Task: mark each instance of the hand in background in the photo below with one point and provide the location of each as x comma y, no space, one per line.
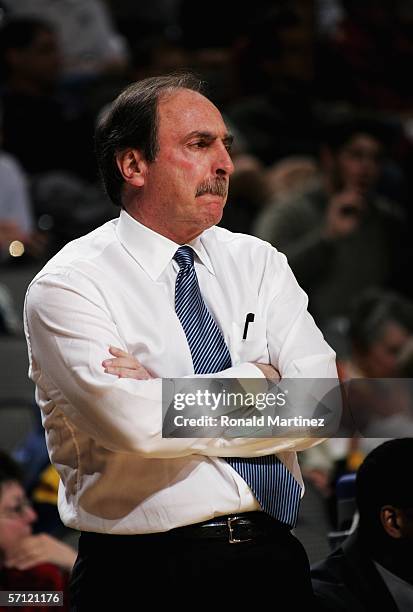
343,214
41,548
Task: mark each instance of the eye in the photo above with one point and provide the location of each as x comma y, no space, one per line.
200,144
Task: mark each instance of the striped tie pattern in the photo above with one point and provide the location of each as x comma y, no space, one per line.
207,345
275,488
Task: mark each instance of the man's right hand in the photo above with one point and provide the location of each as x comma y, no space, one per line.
269,371
343,214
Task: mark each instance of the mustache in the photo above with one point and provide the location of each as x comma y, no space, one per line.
217,186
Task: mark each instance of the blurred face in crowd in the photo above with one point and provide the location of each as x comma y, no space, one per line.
39,62
297,58
16,516
357,164
184,191
381,359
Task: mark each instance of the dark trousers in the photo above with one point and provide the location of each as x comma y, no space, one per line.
122,572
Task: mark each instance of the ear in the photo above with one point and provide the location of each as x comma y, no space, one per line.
132,166
390,519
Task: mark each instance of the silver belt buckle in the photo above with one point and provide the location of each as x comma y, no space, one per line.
231,538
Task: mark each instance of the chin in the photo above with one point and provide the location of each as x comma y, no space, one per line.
213,211
215,216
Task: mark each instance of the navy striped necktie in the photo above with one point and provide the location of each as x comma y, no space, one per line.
275,488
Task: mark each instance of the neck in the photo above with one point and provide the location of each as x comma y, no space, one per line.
398,562
182,234
395,555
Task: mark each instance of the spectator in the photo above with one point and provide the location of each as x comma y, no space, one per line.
86,36
275,111
287,179
16,215
15,205
366,59
380,327
341,237
381,324
372,570
27,562
36,127
17,230
292,176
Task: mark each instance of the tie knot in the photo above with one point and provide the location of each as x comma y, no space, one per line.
184,256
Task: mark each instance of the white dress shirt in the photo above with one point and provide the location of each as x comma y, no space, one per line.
115,286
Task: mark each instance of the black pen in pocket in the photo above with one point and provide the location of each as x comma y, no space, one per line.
248,319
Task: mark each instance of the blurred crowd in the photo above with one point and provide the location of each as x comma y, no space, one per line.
318,96
316,93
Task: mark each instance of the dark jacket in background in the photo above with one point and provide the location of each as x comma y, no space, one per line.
348,581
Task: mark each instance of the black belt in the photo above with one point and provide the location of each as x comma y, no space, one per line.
233,528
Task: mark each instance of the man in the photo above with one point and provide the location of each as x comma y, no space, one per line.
341,237
169,293
372,570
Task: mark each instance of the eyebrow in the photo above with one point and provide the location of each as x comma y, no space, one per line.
227,139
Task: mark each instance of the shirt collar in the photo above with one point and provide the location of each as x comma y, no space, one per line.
152,250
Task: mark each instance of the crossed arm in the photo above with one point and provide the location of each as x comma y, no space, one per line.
124,365
69,329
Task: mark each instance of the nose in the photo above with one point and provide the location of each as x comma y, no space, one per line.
30,515
223,163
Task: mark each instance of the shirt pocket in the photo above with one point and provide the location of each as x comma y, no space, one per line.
254,347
